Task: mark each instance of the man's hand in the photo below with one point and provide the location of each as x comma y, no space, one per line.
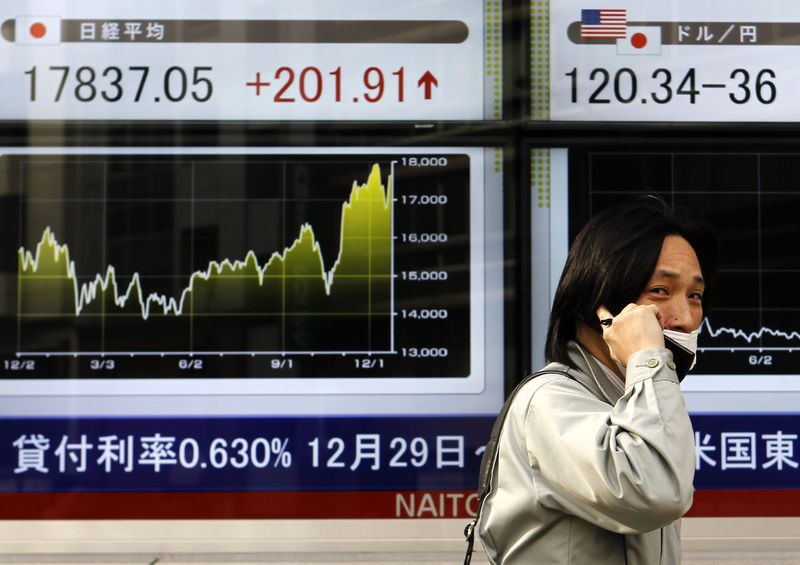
635,328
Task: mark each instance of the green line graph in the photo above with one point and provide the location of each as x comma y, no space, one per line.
357,283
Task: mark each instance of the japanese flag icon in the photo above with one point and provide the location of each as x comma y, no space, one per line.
640,40
37,30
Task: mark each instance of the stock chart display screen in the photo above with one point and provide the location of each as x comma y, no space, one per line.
232,280
274,321
743,394
751,333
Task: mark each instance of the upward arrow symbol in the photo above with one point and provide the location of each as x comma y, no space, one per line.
429,81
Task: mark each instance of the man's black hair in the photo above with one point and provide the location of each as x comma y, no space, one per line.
613,258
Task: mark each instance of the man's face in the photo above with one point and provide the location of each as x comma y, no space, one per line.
676,286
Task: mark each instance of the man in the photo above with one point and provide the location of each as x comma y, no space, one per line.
597,467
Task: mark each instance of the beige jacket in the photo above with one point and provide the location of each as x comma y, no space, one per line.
586,476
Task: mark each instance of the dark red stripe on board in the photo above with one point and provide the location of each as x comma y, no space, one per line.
746,503
328,505
236,505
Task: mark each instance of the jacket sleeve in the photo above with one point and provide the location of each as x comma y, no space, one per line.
628,469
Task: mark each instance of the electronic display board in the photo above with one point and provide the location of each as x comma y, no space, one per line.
283,60
283,323
682,61
744,393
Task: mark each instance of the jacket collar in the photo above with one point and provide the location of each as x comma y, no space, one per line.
590,374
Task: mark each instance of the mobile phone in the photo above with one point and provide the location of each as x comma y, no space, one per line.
682,357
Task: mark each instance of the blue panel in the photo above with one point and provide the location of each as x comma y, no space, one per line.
398,453
212,454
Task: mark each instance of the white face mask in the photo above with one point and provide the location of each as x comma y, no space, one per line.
689,341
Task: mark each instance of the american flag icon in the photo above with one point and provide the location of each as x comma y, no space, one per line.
603,24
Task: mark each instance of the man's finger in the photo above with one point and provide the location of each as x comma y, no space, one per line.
604,316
